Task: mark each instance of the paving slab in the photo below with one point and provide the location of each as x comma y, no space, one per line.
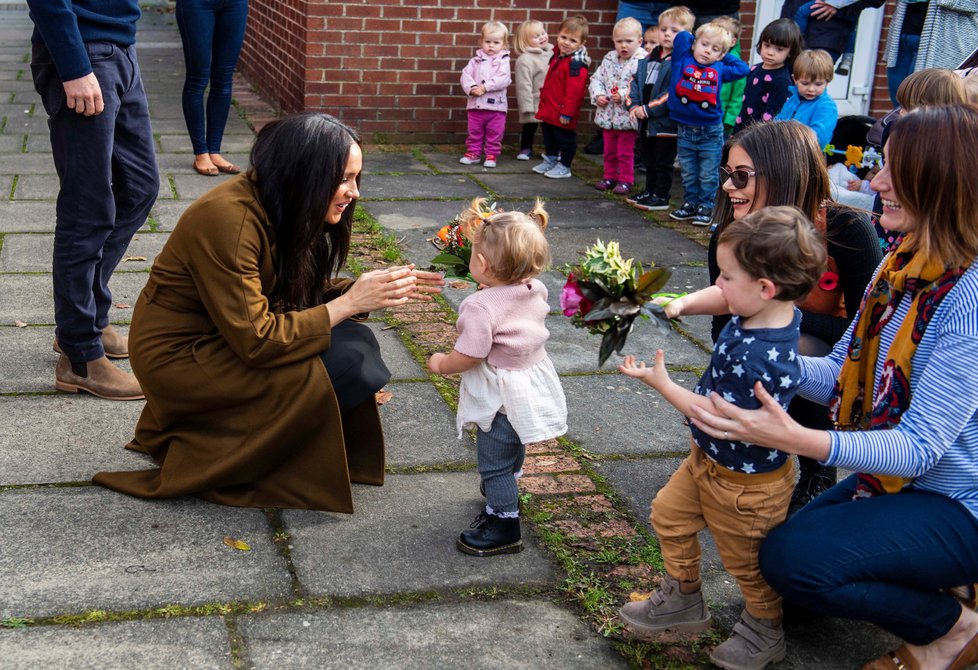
387,187
33,252
419,428
525,634
166,213
19,163
28,363
192,186
11,145
374,551
386,162
37,187
65,437
528,185
646,244
180,142
29,298
184,164
126,553
447,163
397,357
403,215
614,415
161,644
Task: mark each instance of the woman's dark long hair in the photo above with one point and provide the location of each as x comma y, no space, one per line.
298,164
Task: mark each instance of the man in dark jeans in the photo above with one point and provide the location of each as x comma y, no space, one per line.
85,70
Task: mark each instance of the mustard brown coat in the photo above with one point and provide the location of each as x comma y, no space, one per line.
239,406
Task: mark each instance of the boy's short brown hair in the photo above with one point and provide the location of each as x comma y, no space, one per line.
779,244
933,86
575,25
814,65
679,14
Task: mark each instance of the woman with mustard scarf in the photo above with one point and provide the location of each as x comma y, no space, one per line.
897,540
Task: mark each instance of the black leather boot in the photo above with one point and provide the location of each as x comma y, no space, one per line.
491,535
815,479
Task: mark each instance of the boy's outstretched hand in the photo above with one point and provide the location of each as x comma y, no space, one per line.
657,377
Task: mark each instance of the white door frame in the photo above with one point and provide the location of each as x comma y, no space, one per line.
851,93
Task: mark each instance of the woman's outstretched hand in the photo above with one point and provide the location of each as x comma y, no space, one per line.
767,426
427,283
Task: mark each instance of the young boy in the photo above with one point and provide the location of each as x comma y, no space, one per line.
810,103
700,66
732,92
768,259
561,96
650,39
647,103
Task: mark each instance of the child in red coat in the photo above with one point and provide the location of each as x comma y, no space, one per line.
563,92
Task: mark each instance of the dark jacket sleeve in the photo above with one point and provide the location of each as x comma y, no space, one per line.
58,27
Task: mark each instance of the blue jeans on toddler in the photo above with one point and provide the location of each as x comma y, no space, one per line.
883,559
699,149
212,32
501,455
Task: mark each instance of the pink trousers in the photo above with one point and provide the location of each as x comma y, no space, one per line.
619,155
487,127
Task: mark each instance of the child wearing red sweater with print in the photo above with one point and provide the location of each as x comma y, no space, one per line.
563,92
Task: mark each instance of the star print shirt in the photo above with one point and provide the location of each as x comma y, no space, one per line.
741,357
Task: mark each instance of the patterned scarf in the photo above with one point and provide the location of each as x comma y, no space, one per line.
852,408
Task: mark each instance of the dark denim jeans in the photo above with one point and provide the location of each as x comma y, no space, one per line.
212,32
907,50
107,168
501,455
559,141
699,149
647,13
881,559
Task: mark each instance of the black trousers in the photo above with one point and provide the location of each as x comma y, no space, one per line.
659,158
558,140
354,364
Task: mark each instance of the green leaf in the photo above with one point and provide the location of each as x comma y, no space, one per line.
448,259
651,282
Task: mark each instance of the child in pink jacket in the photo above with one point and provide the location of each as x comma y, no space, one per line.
484,80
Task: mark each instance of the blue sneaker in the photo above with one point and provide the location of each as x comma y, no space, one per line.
546,165
558,171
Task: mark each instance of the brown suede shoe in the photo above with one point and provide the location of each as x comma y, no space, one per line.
103,380
667,609
115,344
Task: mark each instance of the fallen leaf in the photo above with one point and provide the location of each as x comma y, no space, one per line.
383,397
460,284
638,596
123,305
20,324
134,258
240,545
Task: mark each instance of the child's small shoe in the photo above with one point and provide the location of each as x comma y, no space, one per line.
684,213
605,184
469,159
524,154
546,165
621,188
490,161
667,609
491,535
558,171
753,645
703,216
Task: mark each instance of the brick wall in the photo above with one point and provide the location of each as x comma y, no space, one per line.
390,68
879,103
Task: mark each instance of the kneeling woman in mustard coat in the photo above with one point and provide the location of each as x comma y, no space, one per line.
259,389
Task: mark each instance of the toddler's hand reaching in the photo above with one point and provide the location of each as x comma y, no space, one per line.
639,113
853,184
434,363
673,307
656,377
602,101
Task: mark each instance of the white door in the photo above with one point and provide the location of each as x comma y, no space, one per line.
851,93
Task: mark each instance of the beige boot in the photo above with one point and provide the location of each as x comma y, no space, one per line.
115,344
669,608
102,380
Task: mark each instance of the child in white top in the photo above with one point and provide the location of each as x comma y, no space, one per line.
484,81
609,87
510,390
533,53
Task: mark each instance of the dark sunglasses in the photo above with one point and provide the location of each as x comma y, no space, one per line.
739,177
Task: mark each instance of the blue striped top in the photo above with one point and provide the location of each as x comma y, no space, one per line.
936,442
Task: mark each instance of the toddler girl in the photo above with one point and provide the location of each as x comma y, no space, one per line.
533,55
609,88
484,80
768,81
510,390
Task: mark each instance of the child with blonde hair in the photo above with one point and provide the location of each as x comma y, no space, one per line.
810,102
533,51
510,391
609,88
484,80
740,491
731,93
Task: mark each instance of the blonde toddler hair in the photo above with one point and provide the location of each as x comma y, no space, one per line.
732,25
628,25
681,15
512,242
814,64
524,34
495,28
713,30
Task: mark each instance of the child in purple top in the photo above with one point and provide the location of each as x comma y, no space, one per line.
768,260
510,390
484,81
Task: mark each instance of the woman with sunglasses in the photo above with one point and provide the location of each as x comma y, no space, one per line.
893,546
780,163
